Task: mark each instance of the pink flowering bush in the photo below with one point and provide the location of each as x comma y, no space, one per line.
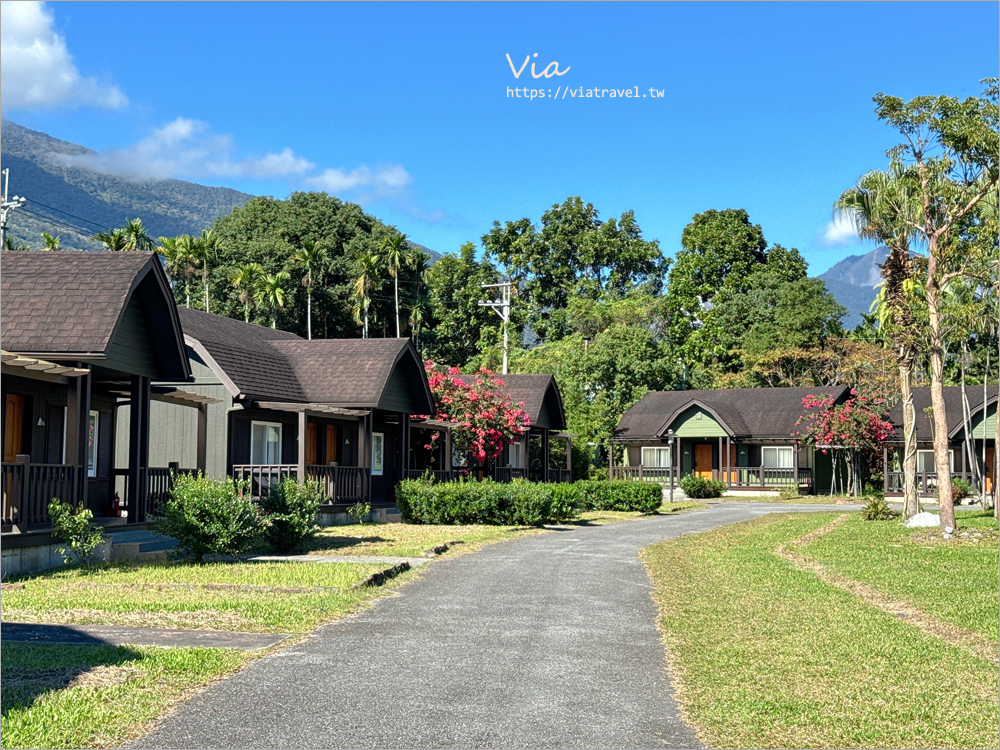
485,419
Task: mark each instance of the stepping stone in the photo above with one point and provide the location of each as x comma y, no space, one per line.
121,635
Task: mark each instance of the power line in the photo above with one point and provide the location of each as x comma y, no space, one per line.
99,225
59,222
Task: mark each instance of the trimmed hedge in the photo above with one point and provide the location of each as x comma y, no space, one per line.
291,510
699,488
520,502
623,495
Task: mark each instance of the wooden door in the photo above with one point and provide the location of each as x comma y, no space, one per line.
703,461
331,443
312,452
13,427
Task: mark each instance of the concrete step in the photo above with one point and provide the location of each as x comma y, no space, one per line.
141,545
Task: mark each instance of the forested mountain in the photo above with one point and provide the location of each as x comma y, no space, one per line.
852,282
74,203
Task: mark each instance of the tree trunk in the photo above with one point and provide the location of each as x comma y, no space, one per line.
396,282
911,498
942,465
986,375
205,276
309,312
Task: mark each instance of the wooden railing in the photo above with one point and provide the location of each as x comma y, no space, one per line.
926,481
643,473
28,488
508,473
159,481
436,475
263,476
342,484
736,476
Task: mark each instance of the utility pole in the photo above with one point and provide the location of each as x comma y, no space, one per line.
6,207
502,308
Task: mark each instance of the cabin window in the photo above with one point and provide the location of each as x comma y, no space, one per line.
925,461
378,453
777,457
265,443
657,457
514,455
92,436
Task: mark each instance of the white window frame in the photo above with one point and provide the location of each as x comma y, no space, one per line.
658,452
253,425
778,451
933,469
93,452
378,453
514,454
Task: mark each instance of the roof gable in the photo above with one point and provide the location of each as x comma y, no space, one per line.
540,395
953,407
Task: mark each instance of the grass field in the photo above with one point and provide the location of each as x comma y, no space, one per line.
767,655
408,540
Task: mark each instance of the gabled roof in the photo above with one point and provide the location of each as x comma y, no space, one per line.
69,305
742,412
953,407
535,391
266,365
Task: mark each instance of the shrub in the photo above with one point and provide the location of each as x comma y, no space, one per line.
567,499
75,526
877,509
700,488
960,489
622,495
487,502
360,512
208,516
291,510
789,492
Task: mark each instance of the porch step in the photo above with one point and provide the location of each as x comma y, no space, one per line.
142,546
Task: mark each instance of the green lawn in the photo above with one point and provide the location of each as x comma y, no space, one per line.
766,655
255,597
408,539
954,581
97,695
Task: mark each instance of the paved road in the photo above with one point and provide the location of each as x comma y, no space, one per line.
547,641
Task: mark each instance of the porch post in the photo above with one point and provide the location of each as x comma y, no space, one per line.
300,467
795,464
138,448
611,460
965,465
719,475
364,454
545,455
729,458
446,462
77,425
569,458
202,454
404,423
885,469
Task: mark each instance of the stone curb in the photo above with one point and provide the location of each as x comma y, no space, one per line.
440,549
377,579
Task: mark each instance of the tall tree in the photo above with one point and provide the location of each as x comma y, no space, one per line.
369,270
136,236
951,147
204,252
187,259
51,243
272,295
309,258
246,280
113,239
883,207
396,256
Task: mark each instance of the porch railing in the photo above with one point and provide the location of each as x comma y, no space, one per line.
926,481
736,476
508,473
642,473
264,476
159,482
342,484
28,488
436,475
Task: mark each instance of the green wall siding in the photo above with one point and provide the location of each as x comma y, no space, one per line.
696,423
130,349
397,396
985,428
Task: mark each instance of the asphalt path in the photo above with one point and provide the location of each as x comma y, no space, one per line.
545,641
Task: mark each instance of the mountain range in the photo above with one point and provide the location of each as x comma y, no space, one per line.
853,283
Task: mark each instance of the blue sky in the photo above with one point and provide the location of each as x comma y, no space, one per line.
404,107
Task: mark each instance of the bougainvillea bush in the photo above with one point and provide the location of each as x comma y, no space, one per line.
852,431
485,418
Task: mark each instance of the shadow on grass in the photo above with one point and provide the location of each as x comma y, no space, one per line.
322,542
41,659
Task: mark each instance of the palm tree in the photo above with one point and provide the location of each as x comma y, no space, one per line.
883,206
182,260
308,257
369,268
136,236
420,312
51,243
8,244
113,239
246,278
204,251
272,295
397,257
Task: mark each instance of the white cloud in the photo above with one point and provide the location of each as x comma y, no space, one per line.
840,231
186,148
381,181
36,68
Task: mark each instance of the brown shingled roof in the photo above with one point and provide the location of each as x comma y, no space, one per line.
532,390
953,407
744,412
66,302
276,366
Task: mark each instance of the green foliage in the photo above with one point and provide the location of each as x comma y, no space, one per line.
291,510
75,527
487,502
209,516
876,508
360,512
700,487
960,489
602,494
789,492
